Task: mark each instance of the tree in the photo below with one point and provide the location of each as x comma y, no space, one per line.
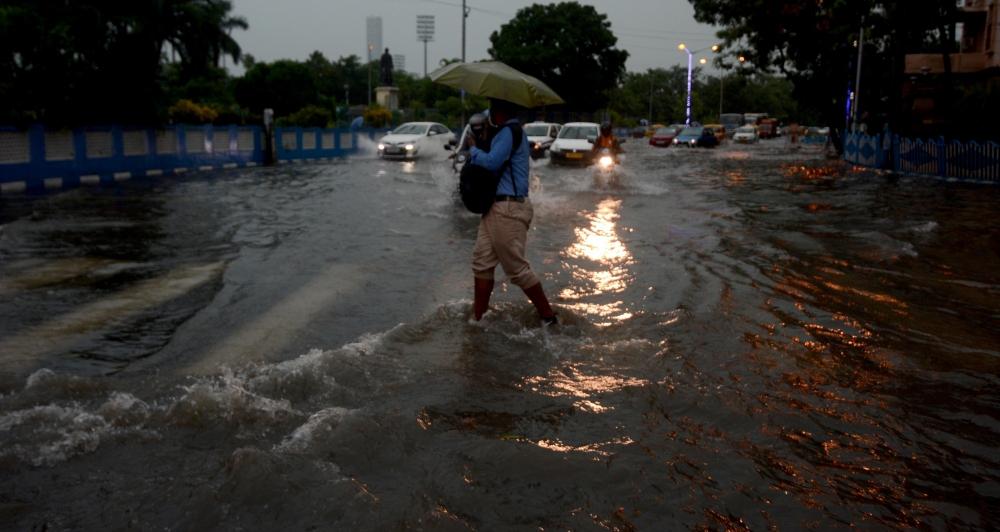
99,61
568,46
814,44
285,86
656,94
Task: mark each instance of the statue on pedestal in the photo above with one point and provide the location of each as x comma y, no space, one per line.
385,69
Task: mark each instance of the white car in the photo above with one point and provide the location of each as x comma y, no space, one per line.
415,139
540,137
575,143
745,135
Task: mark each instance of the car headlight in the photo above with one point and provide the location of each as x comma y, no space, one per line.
538,145
677,141
409,147
381,147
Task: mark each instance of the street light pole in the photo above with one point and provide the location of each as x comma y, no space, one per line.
687,119
683,47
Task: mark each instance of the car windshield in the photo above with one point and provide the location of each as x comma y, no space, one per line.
410,129
578,132
744,129
665,131
536,131
692,131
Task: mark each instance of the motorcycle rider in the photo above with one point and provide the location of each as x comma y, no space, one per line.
607,140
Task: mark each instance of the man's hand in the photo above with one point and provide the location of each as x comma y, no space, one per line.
470,141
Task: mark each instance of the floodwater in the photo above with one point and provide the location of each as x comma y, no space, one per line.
750,338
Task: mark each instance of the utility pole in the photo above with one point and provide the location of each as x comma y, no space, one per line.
722,91
857,80
370,46
465,15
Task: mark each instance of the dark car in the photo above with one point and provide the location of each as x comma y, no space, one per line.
699,136
663,137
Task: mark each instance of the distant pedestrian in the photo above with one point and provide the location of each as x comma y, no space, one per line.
503,230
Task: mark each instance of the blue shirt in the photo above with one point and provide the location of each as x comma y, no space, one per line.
499,151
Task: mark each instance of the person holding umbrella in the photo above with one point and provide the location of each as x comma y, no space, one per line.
503,229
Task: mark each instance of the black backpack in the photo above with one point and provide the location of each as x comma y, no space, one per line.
478,186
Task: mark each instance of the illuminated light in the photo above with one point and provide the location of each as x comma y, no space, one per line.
409,147
606,162
682,46
703,60
600,244
743,59
715,47
381,147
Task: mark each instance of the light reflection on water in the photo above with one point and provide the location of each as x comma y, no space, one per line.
599,243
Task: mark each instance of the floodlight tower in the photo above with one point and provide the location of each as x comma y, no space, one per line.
425,34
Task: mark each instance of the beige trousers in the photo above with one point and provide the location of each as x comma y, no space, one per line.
503,232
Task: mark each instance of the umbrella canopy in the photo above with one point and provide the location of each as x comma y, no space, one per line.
494,79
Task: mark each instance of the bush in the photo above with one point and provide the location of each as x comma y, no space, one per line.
377,116
188,112
308,116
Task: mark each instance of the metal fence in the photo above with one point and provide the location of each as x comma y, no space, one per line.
45,159
301,144
39,159
954,160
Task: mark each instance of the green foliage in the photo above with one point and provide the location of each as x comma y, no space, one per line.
665,89
377,116
188,112
308,116
285,86
813,44
568,46
99,61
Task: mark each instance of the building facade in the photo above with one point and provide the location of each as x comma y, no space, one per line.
979,48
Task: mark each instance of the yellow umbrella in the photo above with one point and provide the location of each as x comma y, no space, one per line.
494,79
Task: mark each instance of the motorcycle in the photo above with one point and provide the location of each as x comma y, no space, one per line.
606,167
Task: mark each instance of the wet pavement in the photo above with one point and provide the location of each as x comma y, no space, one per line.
751,337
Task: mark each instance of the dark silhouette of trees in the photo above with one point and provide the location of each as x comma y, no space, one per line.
103,60
568,46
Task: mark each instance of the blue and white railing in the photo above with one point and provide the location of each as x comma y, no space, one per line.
44,159
39,159
953,160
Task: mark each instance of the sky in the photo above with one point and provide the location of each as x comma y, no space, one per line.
292,29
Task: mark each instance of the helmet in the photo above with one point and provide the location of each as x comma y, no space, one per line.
477,122
606,128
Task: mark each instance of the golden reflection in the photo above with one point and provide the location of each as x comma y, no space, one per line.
570,381
593,448
599,243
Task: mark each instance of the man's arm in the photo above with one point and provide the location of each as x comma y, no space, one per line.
499,151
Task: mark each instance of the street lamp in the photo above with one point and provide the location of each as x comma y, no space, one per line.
683,47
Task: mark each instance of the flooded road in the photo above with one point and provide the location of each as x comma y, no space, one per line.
750,338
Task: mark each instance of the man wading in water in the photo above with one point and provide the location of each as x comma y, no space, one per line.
503,230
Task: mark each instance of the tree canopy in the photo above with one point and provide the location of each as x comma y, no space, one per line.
814,44
101,60
568,46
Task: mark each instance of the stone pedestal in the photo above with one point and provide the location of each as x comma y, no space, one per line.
387,97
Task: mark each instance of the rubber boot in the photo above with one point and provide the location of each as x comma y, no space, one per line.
537,296
481,302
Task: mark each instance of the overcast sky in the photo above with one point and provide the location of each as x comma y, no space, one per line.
291,29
